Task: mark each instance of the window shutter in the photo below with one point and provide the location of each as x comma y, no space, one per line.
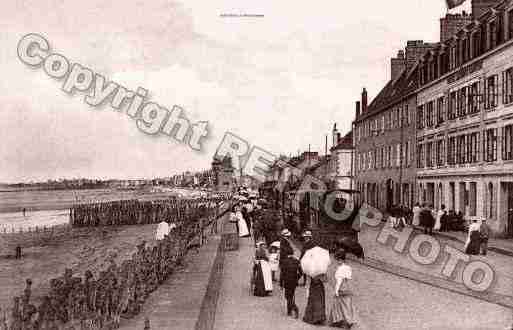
504,82
485,94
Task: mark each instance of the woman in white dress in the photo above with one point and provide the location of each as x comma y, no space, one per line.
416,214
243,227
342,314
438,221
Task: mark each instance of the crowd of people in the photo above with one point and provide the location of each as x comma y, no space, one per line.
134,212
98,301
275,261
442,220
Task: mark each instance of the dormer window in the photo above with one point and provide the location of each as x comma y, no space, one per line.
492,34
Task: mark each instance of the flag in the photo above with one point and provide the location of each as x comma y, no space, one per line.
454,3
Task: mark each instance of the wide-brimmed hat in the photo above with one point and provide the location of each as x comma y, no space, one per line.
285,232
307,233
276,244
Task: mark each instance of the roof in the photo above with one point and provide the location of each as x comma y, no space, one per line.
393,92
322,161
344,143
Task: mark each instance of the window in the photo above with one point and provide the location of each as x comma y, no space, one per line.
440,152
430,114
440,110
460,149
462,102
507,142
491,201
398,158
507,86
490,145
406,155
389,160
476,41
453,57
492,34
420,117
473,147
510,24
383,124
466,50
451,150
406,115
420,155
491,91
451,112
473,98
429,154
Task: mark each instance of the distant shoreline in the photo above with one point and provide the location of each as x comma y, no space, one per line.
62,199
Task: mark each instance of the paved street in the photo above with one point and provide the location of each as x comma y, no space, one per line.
383,301
501,264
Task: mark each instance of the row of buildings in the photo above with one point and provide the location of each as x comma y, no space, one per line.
441,130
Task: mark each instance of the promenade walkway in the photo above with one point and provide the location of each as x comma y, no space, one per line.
383,300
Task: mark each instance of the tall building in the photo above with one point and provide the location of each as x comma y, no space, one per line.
223,174
342,162
384,137
465,119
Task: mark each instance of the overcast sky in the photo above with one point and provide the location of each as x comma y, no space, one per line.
279,81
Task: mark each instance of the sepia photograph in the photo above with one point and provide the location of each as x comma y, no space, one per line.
256,165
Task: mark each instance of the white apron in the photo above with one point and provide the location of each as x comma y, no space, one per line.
243,228
266,272
438,221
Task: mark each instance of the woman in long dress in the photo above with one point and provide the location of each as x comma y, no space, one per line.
473,243
342,314
416,214
261,276
438,221
315,312
243,228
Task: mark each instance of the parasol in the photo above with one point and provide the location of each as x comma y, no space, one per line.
315,261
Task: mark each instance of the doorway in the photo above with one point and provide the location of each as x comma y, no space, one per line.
389,193
509,200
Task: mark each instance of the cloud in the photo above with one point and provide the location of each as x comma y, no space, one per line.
279,81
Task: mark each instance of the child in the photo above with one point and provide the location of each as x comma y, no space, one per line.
273,259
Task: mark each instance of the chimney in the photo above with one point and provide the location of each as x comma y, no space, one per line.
397,65
364,101
452,23
414,51
357,109
479,7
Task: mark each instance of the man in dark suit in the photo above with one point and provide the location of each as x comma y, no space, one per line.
285,247
290,274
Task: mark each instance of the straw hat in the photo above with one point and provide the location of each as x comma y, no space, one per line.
307,233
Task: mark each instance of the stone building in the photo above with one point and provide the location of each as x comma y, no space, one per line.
341,159
465,119
384,139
